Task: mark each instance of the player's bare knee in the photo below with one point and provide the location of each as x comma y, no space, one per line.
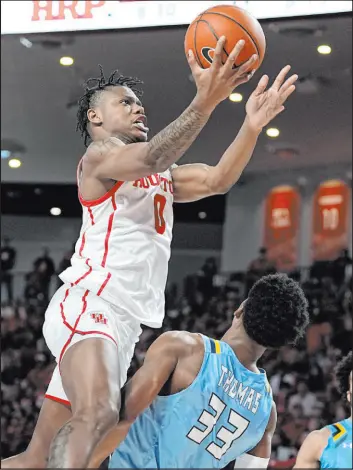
100,418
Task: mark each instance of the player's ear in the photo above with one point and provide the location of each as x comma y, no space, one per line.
94,116
238,313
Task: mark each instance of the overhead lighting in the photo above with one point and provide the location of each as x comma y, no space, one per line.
202,215
272,132
66,61
324,49
236,97
55,211
26,42
15,163
5,153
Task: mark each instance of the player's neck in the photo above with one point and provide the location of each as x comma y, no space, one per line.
247,351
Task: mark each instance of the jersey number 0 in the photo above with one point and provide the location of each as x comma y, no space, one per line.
159,205
238,422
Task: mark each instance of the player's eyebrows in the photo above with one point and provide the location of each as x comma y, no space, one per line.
131,99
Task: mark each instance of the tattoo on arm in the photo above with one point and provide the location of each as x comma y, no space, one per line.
173,141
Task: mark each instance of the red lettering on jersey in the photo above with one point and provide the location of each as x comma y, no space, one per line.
164,181
171,187
154,179
141,183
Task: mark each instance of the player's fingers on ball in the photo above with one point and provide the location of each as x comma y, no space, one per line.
217,59
234,54
280,77
248,65
192,61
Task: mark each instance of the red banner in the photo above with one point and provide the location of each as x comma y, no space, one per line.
330,220
282,226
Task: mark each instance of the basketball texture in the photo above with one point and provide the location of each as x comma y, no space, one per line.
232,22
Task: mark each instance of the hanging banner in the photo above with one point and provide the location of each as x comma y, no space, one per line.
63,15
330,220
281,229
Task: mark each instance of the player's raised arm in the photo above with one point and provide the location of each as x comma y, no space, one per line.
160,361
311,449
196,181
110,158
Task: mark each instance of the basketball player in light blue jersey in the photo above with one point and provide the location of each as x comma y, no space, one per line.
331,446
204,402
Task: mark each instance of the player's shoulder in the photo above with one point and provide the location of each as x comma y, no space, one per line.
312,448
317,440
98,149
182,341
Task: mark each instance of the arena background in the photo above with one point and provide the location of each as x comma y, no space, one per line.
294,198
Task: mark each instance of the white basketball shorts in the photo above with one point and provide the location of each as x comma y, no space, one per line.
75,314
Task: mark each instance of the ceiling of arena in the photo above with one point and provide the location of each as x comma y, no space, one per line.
38,95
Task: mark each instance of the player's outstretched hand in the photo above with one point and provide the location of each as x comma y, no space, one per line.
263,105
216,83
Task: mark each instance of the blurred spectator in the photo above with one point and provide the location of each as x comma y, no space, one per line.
8,259
45,268
303,398
339,267
64,264
259,267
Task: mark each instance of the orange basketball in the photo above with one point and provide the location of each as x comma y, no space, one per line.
232,22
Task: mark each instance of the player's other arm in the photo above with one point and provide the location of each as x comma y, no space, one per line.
259,456
310,452
160,361
111,159
196,181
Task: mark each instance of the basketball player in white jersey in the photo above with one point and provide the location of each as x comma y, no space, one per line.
117,279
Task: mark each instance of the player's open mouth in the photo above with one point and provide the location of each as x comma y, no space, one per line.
140,123
141,127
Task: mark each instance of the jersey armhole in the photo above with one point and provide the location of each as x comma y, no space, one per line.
94,202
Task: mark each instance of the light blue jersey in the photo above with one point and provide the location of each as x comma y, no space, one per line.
338,452
223,414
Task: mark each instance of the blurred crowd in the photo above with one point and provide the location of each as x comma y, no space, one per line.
301,377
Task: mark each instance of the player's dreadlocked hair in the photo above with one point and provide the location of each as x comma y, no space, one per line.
93,89
276,311
342,372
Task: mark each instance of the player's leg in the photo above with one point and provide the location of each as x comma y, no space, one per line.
90,377
52,417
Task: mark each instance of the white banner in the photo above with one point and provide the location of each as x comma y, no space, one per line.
51,16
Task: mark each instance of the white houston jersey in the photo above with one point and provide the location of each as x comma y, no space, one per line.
123,250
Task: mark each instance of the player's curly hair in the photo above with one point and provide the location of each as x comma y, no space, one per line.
276,311
342,372
93,90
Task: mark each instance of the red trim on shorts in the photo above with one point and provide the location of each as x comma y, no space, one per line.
57,399
73,330
82,243
84,275
102,287
109,230
96,332
106,196
75,325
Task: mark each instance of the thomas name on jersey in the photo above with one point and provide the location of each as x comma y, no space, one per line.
245,396
155,180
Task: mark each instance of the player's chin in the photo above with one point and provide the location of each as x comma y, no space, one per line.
139,135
